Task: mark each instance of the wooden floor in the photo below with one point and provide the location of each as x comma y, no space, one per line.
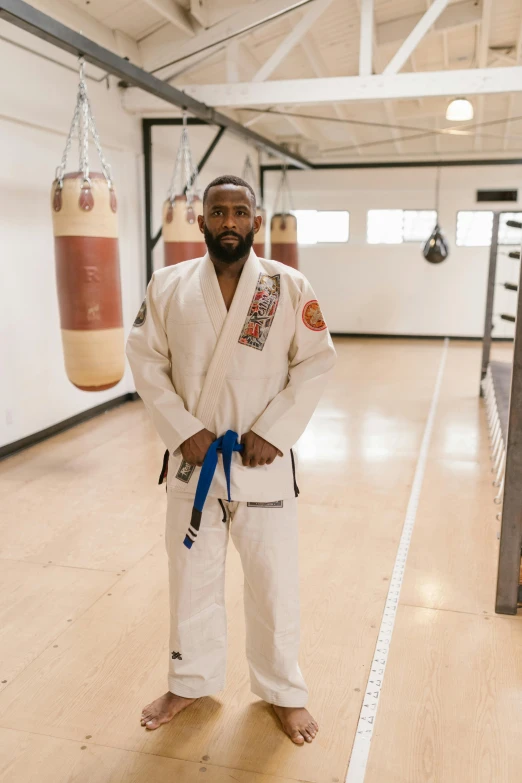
83,598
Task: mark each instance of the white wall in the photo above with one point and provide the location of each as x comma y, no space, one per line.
391,289
37,100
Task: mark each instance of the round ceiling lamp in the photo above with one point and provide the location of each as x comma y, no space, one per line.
459,110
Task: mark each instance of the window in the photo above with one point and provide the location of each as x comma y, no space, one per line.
475,228
314,226
395,226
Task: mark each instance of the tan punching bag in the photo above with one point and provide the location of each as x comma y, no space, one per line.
85,230
181,235
260,237
283,239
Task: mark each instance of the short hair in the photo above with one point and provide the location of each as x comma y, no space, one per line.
229,179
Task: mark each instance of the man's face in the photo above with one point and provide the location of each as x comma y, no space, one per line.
229,222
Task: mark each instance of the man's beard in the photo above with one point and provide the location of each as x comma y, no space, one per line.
229,254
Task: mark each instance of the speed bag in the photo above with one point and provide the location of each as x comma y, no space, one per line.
85,228
283,239
260,238
436,248
181,235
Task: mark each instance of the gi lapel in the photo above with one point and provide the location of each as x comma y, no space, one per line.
227,325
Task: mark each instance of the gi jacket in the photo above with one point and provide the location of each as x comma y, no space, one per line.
261,366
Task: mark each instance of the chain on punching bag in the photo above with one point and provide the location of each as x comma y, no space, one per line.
436,249
283,227
260,238
181,235
85,228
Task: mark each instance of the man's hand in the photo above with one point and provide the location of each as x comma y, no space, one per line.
194,449
257,451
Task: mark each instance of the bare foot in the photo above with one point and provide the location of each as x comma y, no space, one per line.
297,723
163,709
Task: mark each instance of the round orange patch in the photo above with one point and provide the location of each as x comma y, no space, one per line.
313,317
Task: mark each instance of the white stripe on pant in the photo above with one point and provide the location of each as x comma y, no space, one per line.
267,542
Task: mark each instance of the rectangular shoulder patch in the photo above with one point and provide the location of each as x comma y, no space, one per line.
261,312
185,472
272,504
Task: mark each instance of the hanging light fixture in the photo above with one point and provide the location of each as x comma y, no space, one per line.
459,110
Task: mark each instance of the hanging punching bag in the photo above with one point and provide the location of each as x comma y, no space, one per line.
85,228
283,239
436,248
181,235
260,237
88,280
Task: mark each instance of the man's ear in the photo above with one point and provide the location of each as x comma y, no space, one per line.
201,223
258,220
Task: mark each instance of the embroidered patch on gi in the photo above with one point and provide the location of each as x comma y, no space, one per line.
142,314
262,311
313,317
176,656
185,471
273,504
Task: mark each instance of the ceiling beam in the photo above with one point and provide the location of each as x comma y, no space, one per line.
456,15
319,68
28,18
171,11
366,39
416,36
159,50
292,39
475,81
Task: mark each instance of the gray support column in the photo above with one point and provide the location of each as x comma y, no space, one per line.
511,530
490,297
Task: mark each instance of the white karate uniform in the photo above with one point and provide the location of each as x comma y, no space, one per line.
261,366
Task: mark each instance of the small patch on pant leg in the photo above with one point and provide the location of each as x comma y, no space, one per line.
272,504
185,472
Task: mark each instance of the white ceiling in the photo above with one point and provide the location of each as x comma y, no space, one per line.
468,34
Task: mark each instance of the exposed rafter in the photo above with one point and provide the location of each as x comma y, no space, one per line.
159,52
476,81
292,39
416,36
171,11
319,68
456,15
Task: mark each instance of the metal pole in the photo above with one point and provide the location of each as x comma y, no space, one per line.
511,529
147,160
490,296
48,29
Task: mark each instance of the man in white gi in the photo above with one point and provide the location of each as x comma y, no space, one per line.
224,346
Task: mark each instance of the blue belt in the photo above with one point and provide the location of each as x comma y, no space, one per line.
227,444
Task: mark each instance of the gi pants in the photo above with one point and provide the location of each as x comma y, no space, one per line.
267,541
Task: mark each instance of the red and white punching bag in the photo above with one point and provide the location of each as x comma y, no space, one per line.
260,237
181,235
283,239
85,228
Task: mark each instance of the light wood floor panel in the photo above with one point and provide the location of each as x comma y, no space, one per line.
26,758
450,708
37,604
